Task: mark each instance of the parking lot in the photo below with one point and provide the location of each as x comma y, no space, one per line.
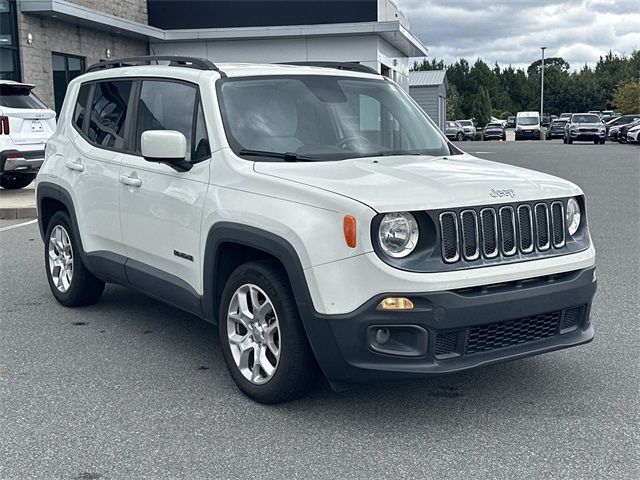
131,388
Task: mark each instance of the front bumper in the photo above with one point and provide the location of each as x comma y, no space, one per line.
449,331
21,162
534,134
587,136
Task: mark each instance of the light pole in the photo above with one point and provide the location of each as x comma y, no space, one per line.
542,94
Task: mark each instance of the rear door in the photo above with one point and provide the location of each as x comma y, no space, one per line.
161,208
30,121
92,163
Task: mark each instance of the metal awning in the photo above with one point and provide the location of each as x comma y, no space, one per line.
392,32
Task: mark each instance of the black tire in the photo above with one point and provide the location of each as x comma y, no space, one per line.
564,140
569,141
84,288
460,136
296,371
596,142
14,181
603,141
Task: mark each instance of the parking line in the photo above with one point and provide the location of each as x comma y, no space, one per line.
11,227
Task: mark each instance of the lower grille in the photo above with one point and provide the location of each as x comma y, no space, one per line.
447,344
571,319
515,332
484,338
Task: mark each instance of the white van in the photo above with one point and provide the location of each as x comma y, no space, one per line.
528,126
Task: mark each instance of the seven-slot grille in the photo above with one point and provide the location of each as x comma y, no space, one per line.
492,231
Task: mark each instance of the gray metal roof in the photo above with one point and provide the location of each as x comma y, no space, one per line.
428,78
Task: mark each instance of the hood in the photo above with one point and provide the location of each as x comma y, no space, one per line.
409,182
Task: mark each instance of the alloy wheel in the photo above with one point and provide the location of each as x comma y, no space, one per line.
253,333
60,258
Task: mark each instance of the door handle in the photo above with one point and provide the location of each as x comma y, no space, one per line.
130,181
75,166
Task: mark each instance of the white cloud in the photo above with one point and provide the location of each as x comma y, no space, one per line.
512,31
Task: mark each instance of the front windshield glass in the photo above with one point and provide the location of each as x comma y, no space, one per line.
527,120
585,119
324,118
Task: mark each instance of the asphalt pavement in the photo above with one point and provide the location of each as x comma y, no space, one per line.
130,388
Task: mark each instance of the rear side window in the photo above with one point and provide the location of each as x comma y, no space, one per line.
109,112
19,96
81,106
166,106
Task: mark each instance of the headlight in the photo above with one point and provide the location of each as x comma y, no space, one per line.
573,216
398,234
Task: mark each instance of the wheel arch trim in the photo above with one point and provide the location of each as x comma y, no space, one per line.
229,232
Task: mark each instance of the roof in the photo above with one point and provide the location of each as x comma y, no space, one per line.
427,78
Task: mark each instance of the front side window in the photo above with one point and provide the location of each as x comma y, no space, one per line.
324,118
109,112
166,106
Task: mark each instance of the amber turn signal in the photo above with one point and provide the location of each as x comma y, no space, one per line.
395,303
349,228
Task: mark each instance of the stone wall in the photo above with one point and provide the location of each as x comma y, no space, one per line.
50,35
135,10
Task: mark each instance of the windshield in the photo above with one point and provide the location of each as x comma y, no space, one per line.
323,118
18,96
493,125
527,120
585,119
466,123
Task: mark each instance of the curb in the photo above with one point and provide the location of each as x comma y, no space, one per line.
18,213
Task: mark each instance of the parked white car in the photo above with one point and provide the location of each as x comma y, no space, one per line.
317,215
633,134
25,126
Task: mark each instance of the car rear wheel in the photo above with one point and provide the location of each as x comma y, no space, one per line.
261,335
69,280
14,181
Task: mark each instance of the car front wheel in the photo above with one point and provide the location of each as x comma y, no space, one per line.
14,181
460,136
261,335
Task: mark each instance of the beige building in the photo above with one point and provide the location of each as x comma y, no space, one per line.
50,42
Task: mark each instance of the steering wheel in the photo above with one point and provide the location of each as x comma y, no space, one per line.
352,139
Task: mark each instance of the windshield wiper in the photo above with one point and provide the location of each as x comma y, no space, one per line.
389,153
286,156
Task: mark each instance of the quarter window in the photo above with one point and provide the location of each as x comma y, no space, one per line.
81,106
109,112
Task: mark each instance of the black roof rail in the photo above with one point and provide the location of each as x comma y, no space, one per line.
174,61
350,66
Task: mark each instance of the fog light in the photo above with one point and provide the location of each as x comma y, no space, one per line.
382,336
395,303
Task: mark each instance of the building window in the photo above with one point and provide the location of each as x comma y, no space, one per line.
9,64
65,69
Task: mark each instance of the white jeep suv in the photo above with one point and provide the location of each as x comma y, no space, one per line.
25,126
317,215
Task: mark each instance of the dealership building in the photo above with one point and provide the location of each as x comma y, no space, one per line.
50,42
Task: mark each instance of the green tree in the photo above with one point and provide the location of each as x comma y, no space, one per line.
481,107
627,96
453,103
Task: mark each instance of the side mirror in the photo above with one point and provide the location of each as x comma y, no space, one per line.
165,146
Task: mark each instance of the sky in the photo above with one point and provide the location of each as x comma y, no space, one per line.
512,31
